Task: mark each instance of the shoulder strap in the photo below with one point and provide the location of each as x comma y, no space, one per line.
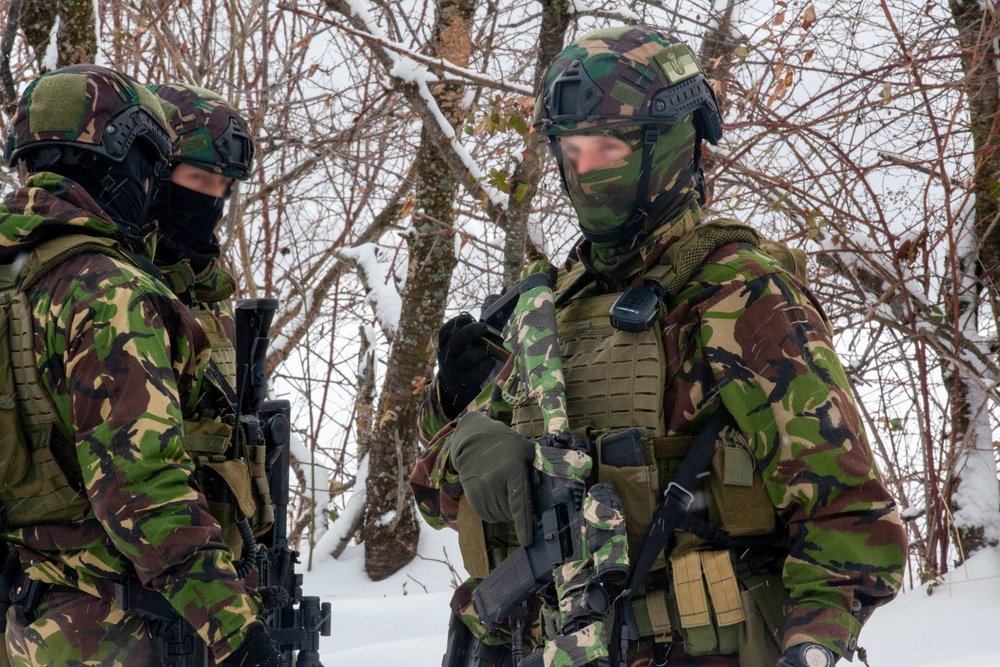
51,254
684,257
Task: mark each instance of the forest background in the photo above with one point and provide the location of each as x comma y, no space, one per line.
398,183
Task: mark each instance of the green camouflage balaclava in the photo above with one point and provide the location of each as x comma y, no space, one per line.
647,89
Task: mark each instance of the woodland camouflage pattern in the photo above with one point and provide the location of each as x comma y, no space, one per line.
75,104
123,360
629,66
744,334
197,117
535,348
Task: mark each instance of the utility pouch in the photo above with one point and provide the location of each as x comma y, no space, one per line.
226,483
738,501
483,545
638,485
764,598
709,605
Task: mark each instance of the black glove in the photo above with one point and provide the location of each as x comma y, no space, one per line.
255,651
808,655
464,363
493,463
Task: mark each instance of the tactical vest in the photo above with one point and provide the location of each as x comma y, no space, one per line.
615,381
41,481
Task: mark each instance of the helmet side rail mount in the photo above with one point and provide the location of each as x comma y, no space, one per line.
574,96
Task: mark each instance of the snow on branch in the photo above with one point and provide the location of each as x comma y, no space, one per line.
377,277
413,80
469,75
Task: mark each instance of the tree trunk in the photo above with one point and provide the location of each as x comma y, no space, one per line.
76,39
555,20
391,529
974,275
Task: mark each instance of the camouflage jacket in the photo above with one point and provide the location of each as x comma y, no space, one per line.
122,359
744,334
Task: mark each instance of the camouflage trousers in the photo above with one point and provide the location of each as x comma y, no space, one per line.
77,630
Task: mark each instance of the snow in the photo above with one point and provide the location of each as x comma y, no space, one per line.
409,70
390,622
382,296
338,530
50,60
956,625
397,621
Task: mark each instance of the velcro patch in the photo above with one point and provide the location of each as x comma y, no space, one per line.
677,63
58,103
626,94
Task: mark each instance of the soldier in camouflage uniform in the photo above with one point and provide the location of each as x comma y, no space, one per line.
99,489
735,332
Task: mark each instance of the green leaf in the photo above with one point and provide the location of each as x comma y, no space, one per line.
993,189
895,424
521,192
518,123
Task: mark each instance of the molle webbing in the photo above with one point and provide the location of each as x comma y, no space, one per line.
684,257
614,379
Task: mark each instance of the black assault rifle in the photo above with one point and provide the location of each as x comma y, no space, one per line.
295,622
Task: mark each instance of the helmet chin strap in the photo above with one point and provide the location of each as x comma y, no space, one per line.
699,175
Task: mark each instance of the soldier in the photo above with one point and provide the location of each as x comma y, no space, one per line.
100,496
715,326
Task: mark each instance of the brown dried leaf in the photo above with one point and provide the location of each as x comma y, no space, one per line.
809,17
778,19
808,56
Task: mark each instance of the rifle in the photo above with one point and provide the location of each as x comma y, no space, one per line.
558,500
175,642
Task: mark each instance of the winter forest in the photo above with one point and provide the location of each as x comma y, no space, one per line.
399,182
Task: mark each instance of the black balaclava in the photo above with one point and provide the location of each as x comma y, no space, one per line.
186,220
119,188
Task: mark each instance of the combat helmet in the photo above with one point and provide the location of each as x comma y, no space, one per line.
87,108
638,81
207,131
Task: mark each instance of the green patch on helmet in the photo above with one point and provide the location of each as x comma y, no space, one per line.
626,94
191,145
151,103
677,63
606,33
58,103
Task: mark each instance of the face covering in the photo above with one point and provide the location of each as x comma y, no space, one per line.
187,220
119,188
605,199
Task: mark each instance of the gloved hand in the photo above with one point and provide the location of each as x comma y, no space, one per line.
808,655
255,651
464,363
493,463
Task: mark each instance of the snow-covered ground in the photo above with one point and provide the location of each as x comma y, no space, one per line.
403,620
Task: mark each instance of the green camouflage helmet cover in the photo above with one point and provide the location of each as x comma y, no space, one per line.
630,75
208,132
89,107
646,89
